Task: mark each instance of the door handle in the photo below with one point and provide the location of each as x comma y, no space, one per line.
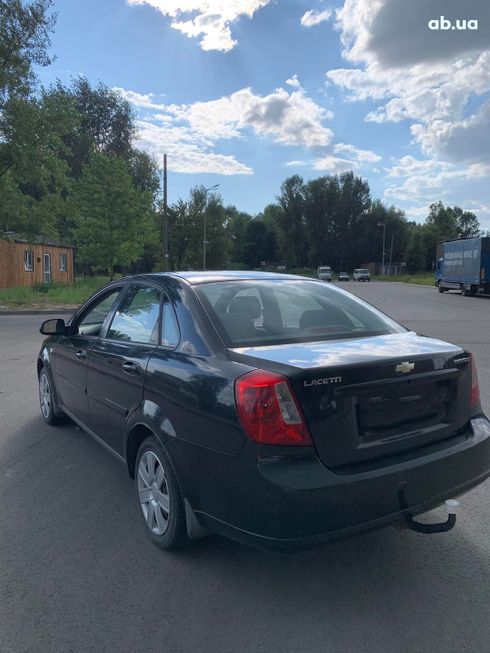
130,368
81,355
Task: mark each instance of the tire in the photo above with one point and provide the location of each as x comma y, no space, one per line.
465,291
159,498
440,288
49,410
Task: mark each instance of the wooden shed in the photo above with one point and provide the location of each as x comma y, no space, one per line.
24,264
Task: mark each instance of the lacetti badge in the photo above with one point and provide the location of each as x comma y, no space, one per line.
325,381
405,367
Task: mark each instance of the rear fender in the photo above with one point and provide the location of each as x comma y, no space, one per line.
148,415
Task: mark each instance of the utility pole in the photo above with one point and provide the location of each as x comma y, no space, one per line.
391,253
204,242
165,216
383,224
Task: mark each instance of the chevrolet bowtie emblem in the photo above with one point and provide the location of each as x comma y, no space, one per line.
405,367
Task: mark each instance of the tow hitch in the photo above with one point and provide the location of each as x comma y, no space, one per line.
409,522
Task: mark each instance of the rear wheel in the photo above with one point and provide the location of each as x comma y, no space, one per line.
159,497
466,290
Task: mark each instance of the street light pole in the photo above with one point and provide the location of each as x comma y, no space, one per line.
206,191
383,224
165,216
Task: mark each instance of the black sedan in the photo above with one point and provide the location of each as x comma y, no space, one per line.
277,410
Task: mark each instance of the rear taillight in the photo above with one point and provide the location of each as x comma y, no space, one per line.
268,409
475,386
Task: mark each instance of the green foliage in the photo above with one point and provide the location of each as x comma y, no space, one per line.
25,30
186,231
41,287
113,218
70,295
291,225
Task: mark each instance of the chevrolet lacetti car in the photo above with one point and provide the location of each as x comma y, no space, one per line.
277,410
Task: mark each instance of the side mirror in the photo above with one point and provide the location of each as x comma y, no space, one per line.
56,327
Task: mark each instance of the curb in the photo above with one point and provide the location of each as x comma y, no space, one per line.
41,311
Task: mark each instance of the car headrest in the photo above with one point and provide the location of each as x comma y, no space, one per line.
247,304
322,318
238,325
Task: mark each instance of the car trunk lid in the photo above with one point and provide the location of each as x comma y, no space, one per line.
371,397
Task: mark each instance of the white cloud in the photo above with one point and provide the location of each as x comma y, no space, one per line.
296,164
430,180
352,158
409,165
190,133
356,154
144,100
460,140
313,17
211,19
428,85
186,153
333,164
291,118
294,81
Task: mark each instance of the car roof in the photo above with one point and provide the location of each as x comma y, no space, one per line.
198,276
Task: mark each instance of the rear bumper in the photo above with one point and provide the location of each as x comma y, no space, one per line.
299,503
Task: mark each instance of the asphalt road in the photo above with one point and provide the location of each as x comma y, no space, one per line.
77,572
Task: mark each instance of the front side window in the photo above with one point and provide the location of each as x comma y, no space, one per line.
28,260
282,312
92,321
136,319
63,263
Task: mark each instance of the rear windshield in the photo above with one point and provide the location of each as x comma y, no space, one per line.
363,271
254,313
323,269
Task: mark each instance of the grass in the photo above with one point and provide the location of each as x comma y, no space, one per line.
420,278
45,296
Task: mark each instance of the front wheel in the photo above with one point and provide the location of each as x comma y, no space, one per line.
159,497
46,400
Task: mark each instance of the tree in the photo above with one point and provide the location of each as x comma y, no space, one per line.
106,124
467,222
416,254
236,222
24,42
182,236
33,164
291,225
258,244
446,223
320,207
114,218
397,232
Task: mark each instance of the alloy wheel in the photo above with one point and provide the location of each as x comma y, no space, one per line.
45,395
153,492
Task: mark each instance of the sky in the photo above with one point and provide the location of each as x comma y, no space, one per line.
244,93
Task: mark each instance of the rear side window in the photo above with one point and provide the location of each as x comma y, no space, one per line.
170,330
136,319
281,312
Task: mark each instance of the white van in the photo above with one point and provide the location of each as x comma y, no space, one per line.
324,273
361,274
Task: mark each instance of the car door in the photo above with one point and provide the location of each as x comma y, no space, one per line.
71,352
117,362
